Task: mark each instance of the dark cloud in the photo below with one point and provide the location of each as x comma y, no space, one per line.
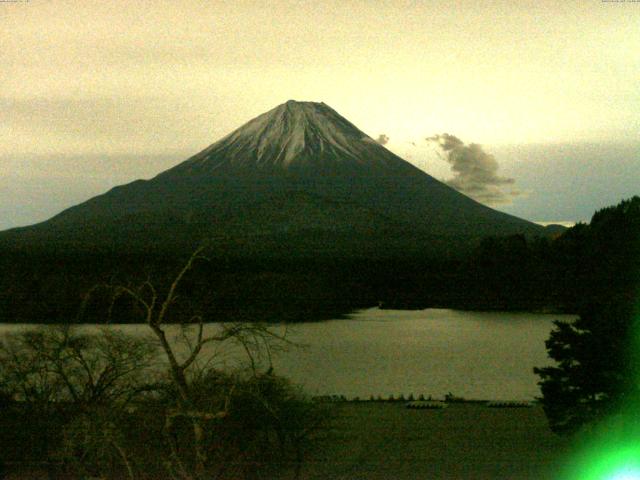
382,139
475,171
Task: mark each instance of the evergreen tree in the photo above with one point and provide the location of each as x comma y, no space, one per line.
596,373
597,355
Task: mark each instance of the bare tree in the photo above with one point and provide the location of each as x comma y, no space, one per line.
138,406
59,363
82,383
155,307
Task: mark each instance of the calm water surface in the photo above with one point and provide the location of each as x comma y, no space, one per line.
391,352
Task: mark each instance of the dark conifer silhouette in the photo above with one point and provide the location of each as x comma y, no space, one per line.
597,354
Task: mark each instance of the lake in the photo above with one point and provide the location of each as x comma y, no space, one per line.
476,355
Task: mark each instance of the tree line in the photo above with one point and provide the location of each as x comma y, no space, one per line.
45,285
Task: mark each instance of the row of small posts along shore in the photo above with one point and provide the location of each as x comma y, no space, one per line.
422,402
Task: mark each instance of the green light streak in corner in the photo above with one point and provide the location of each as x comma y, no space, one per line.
617,463
611,451
620,462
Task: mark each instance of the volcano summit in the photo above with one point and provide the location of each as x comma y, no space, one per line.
298,178
296,137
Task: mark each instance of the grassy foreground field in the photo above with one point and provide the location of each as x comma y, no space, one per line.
386,441
376,440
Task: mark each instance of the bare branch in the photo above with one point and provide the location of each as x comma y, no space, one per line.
124,457
87,296
121,290
198,347
175,463
154,294
171,295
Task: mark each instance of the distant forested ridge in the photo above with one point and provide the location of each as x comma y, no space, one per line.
588,261
278,284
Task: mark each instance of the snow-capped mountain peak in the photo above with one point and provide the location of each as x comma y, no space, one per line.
295,136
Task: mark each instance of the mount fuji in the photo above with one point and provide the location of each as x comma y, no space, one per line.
298,178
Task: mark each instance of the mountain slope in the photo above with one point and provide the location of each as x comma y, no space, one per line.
299,169
295,137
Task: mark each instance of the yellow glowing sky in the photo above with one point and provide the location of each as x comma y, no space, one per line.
150,77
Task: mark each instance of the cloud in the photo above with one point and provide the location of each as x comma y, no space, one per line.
475,171
382,139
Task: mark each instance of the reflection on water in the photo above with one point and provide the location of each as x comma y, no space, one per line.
431,352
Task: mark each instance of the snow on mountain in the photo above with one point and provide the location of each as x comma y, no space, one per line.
295,136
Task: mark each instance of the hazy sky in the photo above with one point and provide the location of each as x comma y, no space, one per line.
95,94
